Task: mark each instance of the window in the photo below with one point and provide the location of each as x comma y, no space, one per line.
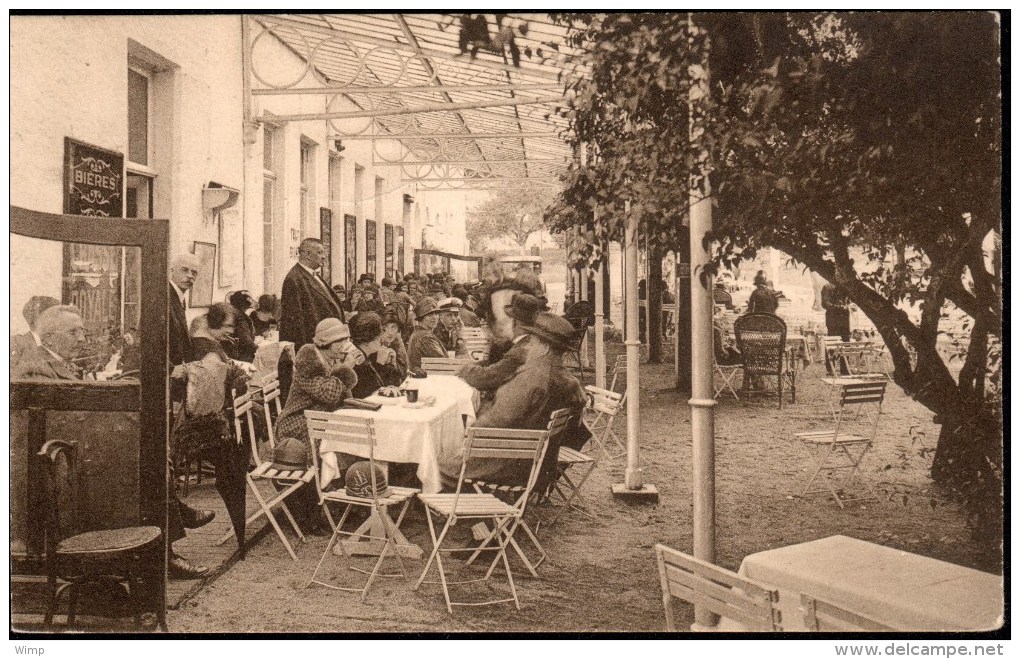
269,138
138,116
307,183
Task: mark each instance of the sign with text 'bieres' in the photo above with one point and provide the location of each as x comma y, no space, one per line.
93,180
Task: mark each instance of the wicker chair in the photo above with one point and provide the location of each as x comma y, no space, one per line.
761,339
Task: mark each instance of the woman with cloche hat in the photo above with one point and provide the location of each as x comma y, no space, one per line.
323,377
423,341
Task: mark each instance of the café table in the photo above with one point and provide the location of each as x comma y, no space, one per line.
800,349
412,433
899,589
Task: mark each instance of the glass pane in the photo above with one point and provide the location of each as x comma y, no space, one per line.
138,118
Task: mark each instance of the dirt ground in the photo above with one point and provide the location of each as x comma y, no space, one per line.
601,574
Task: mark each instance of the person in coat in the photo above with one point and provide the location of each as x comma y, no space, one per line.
837,321
23,343
265,316
523,309
392,337
448,328
525,402
307,299
763,298
62,337
379,368
423,341
241,345
183,273
323,377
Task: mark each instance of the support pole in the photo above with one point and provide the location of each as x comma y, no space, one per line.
633,486
702,401
600,322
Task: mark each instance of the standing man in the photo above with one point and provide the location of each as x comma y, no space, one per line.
183,273
306,298
837,320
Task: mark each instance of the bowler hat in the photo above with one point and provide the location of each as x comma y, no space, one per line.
358,481
329,331
426,306
524,308
554,330
290,455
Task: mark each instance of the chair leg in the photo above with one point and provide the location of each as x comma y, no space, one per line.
272,519
54,600
72,603
329,546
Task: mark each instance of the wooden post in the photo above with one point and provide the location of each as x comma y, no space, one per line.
633,486
702,401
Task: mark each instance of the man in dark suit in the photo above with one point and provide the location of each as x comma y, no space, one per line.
21,344
61,336
307,299
182,275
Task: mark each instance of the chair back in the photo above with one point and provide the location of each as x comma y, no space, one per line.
268,394
855,397
244,423
761,340
821,616
559,422
506,444
443,365
619,370
603,400
61,492
581,314
716,589
467,333
353,434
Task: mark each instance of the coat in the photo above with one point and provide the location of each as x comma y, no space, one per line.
372,376
39,364
312,388
492,376
423,343
243,346
525,402
178,337
21,345
303,303
837,312
762,300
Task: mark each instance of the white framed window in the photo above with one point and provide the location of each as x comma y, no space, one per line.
269,200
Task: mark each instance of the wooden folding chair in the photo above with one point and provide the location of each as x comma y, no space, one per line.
359,435
601,410
839,450
727,594
268,395
292,480
728,373
821,616
499,443
443,365
568,458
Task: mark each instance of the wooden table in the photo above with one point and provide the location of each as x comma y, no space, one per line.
420,435
897,588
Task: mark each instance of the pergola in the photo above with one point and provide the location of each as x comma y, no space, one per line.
452,121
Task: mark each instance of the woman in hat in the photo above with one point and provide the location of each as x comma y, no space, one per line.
538,388
763,298
265,317
423,341
393,338
379,367
370,300
243,346
323,377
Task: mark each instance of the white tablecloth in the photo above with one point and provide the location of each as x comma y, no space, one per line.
415,435
902,590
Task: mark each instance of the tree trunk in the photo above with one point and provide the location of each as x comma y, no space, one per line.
654,288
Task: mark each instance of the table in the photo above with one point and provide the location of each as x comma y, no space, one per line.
896,588
799,348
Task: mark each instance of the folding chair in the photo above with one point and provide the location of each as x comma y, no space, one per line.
443,365
558,422
271,400
728,375
358,434
839,450
500,443
603,406
264,471
821,616
725,593
568,458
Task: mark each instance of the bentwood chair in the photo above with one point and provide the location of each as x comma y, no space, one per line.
461,505
358,434
727,594
124,556
839,449
822,616
761,340
443,365
290,480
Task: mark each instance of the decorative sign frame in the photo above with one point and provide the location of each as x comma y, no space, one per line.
202,289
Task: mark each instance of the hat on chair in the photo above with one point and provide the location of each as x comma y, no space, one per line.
290,455
359,481
554,330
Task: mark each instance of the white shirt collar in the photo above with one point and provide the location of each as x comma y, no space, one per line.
35,336
180,294
518,339
314,273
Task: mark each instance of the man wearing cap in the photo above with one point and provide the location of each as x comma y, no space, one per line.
448,328
306,298
423,341
523,309
539,387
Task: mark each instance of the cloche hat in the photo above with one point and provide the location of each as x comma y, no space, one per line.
330,330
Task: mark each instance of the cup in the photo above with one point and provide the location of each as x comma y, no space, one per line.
452,354
412,395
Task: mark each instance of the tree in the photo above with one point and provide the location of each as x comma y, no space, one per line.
515,213
828,136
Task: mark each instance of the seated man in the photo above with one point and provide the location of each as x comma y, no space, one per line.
538,388
22,343
61,338
523,309
448,329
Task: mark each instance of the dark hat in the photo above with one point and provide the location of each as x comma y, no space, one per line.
425,307
524,308
290,455
759,279
365,327
386,281
359,481
269,303
554,330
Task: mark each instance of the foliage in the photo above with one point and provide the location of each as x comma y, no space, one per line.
515,213
826,136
